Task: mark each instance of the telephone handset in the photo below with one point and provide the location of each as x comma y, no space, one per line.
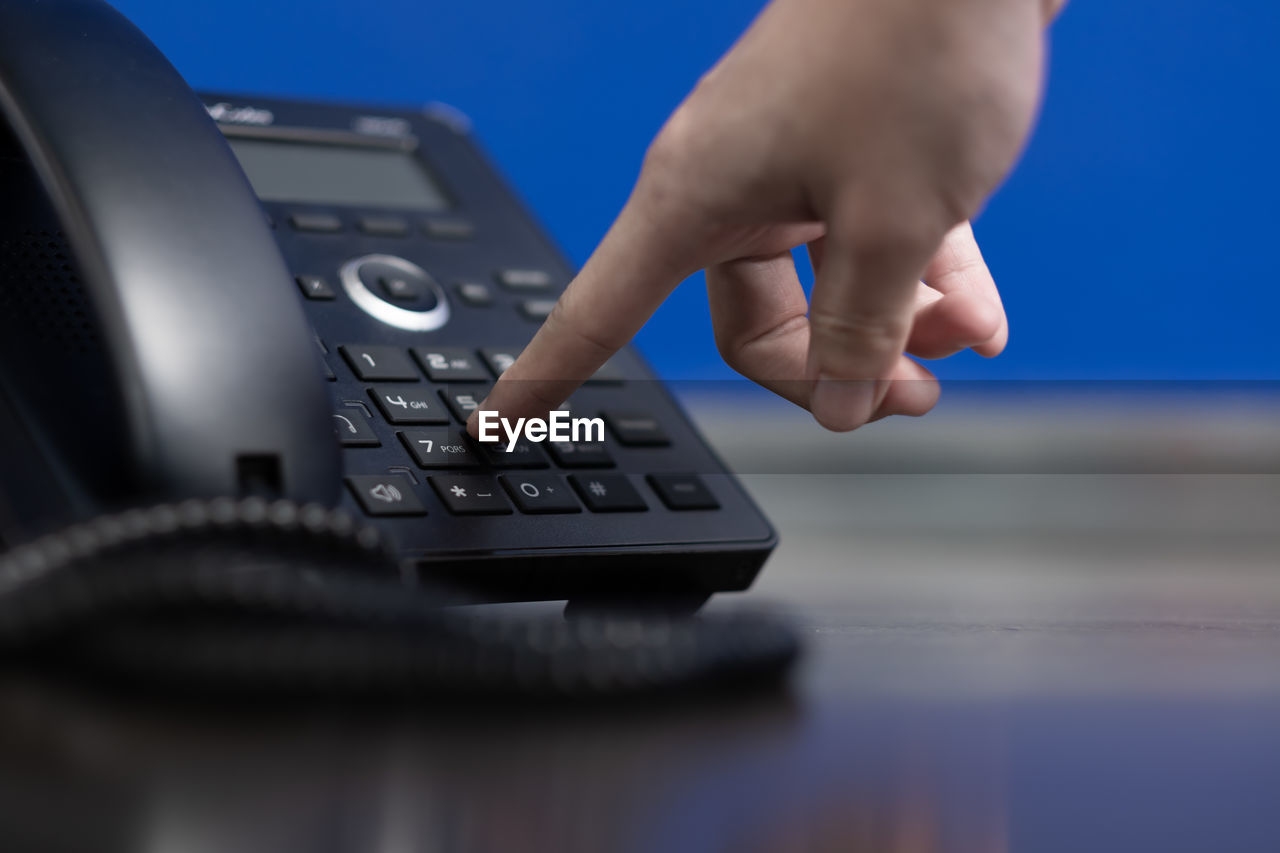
214,298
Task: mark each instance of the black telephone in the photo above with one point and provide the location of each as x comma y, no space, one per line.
316,332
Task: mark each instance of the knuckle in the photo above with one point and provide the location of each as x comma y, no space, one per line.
909,231
671,148
856,339
566,320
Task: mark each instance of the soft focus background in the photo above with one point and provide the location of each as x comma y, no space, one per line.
1134,239
1046,617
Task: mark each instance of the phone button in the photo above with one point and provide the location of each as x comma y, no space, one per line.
475,294
399,288
474,494
353,429
385,494
524,455
636,429
448,229
683,491
464,400
580,454
524,279
396,292
319,223
499,359
610,373
540,493
536,309
409,404
377,364
450,364
608,493
384,226
314,287
443,447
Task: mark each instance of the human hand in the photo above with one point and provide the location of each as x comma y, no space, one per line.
870,130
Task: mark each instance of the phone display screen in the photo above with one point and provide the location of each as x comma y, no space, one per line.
338,174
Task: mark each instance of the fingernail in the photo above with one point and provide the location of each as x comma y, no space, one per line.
842,404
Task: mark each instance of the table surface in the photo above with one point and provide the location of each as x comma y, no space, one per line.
1063,656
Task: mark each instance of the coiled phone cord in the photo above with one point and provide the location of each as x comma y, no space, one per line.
229,595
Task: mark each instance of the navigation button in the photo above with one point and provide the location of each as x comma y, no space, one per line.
399,288
540,493
315,287
385,494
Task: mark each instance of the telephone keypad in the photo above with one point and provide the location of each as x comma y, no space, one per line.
440,443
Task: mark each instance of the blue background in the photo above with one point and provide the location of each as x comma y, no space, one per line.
1133,240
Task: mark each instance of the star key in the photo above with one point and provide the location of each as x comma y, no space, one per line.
470,494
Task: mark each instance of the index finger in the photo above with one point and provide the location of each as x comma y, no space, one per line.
635,267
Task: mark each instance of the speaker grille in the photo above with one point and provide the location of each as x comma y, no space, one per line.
41,293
